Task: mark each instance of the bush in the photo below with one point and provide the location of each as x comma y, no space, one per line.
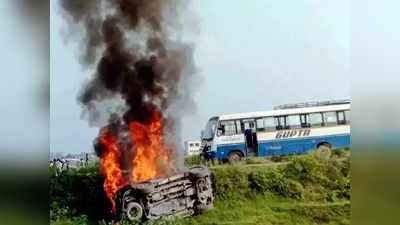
62,215
58,213
272,180
242,182
231,183
320,176
81,191
341,153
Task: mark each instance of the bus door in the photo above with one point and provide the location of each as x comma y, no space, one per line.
250,137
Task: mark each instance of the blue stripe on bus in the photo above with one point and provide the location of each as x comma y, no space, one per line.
286,147
223,150
302,138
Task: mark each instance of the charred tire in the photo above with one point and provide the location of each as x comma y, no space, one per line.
134,211
234,157
199,171
324,151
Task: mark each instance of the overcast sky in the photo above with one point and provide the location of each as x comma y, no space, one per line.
251,55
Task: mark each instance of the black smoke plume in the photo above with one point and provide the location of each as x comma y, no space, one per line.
136,49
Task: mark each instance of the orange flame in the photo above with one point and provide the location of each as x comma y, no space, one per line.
110,167
150,154
150,158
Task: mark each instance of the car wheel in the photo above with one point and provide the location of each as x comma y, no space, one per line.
234,157
134,211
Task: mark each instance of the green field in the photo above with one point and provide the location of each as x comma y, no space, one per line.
305,189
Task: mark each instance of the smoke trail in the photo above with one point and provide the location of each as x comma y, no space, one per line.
141,63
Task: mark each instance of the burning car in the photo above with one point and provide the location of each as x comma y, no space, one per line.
184,194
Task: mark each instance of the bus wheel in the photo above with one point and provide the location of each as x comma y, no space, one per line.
324,151
234,157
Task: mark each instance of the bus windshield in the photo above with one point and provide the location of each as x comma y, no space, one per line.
210,128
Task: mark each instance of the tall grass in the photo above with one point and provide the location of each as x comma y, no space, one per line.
307,189
198,160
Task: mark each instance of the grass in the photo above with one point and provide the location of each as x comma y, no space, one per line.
304,189
268,210
198,160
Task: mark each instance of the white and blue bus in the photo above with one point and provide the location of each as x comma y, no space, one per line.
288,129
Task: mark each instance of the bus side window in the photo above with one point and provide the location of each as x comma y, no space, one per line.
293,121
228,128
238,127
330,118
315,119
249,124
285,122
280,122
304,120
260,124
341,117
347,116
269,123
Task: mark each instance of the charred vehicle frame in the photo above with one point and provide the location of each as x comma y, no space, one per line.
184,194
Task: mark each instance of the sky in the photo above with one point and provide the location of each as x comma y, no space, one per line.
250,56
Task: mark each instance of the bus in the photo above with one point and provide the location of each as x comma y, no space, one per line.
285,130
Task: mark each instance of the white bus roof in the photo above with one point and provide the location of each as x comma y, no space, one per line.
290,111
